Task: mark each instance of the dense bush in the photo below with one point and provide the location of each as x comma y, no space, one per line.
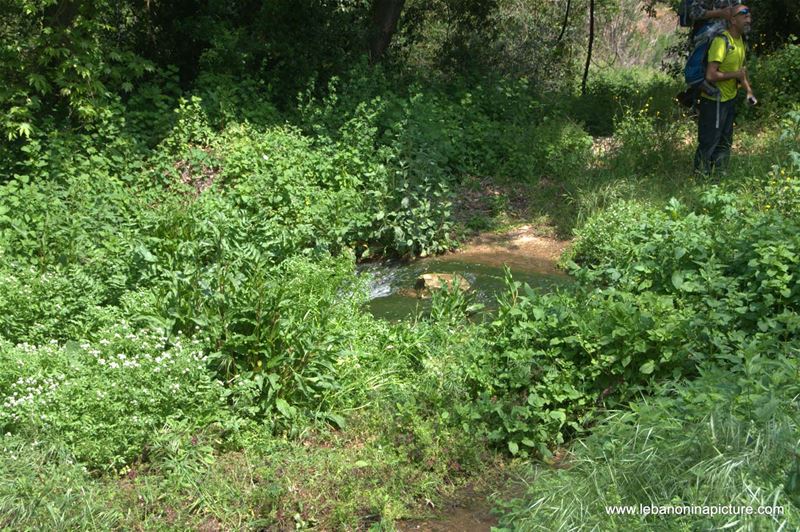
726,438
722,258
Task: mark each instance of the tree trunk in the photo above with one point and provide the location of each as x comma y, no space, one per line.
589,51
566,20
385,14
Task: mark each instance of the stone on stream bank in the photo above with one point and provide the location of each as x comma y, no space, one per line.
427,282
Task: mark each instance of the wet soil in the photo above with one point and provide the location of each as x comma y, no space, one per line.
521,249
469,511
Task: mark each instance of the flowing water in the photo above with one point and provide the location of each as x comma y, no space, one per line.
391,285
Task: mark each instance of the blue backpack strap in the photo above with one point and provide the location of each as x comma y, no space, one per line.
694,72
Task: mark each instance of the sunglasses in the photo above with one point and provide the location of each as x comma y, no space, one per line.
744,11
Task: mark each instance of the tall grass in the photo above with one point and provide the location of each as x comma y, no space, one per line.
727,438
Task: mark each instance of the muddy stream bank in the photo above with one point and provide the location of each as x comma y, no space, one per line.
481,261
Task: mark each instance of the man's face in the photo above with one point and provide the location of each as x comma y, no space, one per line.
742,19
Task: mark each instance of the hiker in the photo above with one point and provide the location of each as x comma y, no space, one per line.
707,19
726,71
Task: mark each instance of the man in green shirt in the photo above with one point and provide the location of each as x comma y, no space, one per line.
727,72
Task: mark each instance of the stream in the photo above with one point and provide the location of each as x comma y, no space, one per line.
391,285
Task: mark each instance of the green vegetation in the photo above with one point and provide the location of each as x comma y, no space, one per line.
686,333
185,192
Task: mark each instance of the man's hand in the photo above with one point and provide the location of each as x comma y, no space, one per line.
729,12
751,100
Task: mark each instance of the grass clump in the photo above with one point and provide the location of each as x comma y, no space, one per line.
725,438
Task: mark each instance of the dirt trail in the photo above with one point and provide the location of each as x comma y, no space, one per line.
455,520
468,511
521,249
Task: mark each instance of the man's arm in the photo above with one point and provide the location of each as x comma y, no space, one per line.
698,12
713,74
745,81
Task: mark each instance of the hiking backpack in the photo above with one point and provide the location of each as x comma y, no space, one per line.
694,73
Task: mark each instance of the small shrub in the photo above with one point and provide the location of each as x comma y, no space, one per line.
560,149
774,76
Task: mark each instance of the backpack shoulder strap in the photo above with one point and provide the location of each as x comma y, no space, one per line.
728,45
725,38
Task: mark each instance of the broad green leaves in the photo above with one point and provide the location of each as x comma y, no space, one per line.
660,293
63,59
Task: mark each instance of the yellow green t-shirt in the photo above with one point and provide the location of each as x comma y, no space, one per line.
729,60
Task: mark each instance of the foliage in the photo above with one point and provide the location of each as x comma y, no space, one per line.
47,223
774,77
632,34
613,91
507,38
60,59
774,24
727,438
105,399
556,356
272,334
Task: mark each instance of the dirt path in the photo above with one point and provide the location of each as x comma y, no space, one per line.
468,511
520,249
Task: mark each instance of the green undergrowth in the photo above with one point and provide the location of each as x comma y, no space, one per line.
137,423
728,438
183,334
686,336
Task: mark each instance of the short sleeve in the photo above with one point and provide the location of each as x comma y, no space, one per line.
716,52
